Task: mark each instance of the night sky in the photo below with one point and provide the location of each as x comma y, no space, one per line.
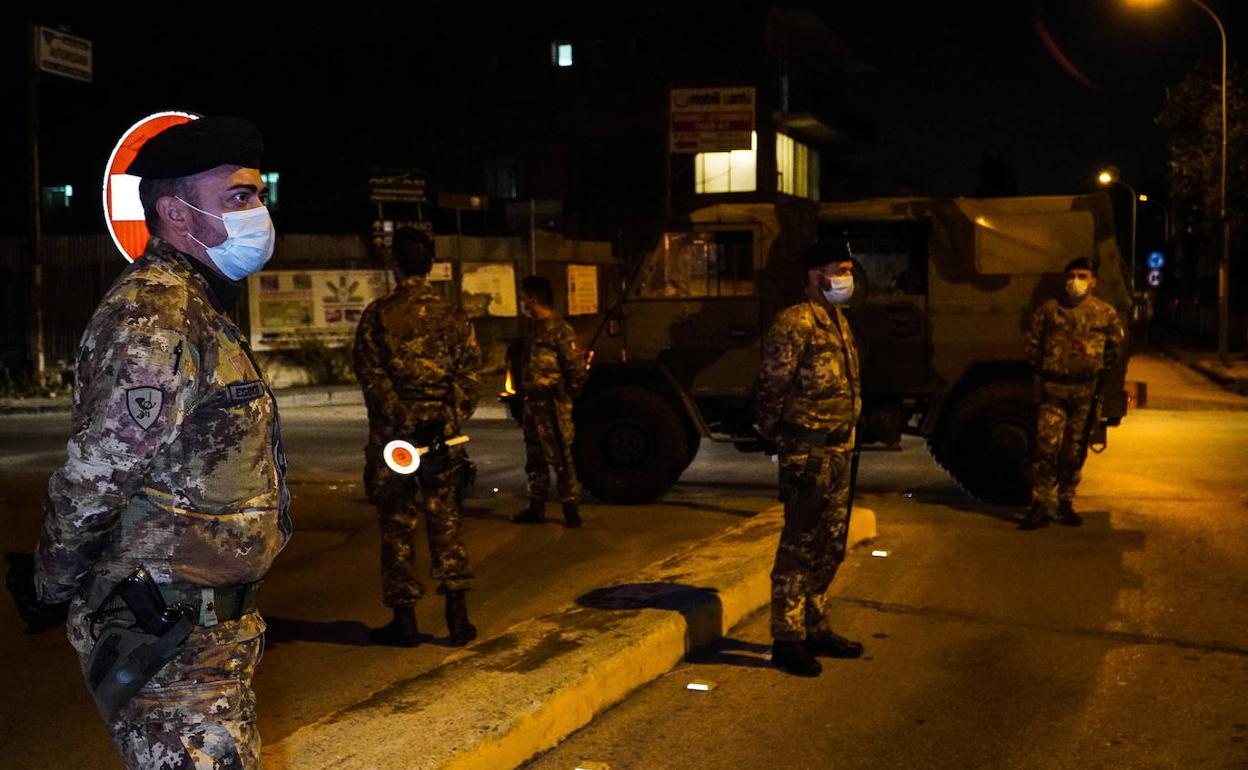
945,82
955,79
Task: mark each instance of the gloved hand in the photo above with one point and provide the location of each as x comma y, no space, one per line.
20,581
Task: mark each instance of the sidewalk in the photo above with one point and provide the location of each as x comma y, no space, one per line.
1172,384
309,395
1233,376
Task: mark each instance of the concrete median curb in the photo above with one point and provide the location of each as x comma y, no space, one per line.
520,693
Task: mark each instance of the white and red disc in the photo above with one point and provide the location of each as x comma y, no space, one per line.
401,457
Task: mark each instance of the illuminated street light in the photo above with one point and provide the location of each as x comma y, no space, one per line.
1224,263
1110,176
1143,198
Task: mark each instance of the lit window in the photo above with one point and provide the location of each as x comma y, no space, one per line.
270,180
722,172
797,168
561,53
58,197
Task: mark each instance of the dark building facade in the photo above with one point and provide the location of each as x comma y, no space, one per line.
558,116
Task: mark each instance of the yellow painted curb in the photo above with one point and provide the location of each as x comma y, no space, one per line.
520,693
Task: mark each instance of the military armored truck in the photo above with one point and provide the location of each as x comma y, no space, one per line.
943,291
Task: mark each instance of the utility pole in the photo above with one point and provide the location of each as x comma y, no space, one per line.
35,332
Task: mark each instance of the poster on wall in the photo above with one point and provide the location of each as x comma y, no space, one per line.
287,306
582,289
488,289
441,271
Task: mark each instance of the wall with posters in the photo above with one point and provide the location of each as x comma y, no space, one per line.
311,297
286,306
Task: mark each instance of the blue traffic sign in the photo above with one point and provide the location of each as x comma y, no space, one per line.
1156,260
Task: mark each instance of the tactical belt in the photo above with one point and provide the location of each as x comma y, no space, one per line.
815,437
224,603
1068,378
211,605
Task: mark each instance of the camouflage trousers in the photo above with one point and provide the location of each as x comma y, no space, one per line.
548,434
814,485
1061,425
199,711
401,502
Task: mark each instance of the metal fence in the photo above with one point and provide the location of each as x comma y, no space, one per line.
77,270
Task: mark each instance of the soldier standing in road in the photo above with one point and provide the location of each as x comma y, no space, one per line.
807,401
416,359
553,371
1070,342
175,467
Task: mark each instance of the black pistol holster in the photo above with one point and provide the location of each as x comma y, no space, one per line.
135,634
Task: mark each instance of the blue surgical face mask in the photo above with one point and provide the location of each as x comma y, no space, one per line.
842,289
248,244
1076,288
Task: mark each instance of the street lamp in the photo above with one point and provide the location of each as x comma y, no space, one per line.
1224,263
1110,176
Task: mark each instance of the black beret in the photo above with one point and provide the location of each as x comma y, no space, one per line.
196,146
1083,263
822,253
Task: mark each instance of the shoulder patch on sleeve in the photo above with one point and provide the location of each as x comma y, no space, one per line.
144,405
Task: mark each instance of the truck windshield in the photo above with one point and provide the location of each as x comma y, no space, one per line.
718,263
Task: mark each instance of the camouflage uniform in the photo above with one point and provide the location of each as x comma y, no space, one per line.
807,399
1068,347
175,464
553,372
417,359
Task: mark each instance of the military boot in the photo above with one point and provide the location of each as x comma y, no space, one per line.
1036,518
1065,514
793,657
571,516
535,513
461,631
830,645
400,632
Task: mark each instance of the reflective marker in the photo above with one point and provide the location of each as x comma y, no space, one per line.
700,686
880,554
401,457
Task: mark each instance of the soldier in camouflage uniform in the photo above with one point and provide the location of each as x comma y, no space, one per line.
807,401
416,359
1069,342
553,371
175,461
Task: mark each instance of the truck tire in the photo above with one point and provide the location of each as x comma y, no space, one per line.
693,441
986,442
630,445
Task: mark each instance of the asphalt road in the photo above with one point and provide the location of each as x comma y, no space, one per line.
324,591
1121,644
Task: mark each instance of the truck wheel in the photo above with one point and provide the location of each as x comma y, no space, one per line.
986,442
693,442
630,445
